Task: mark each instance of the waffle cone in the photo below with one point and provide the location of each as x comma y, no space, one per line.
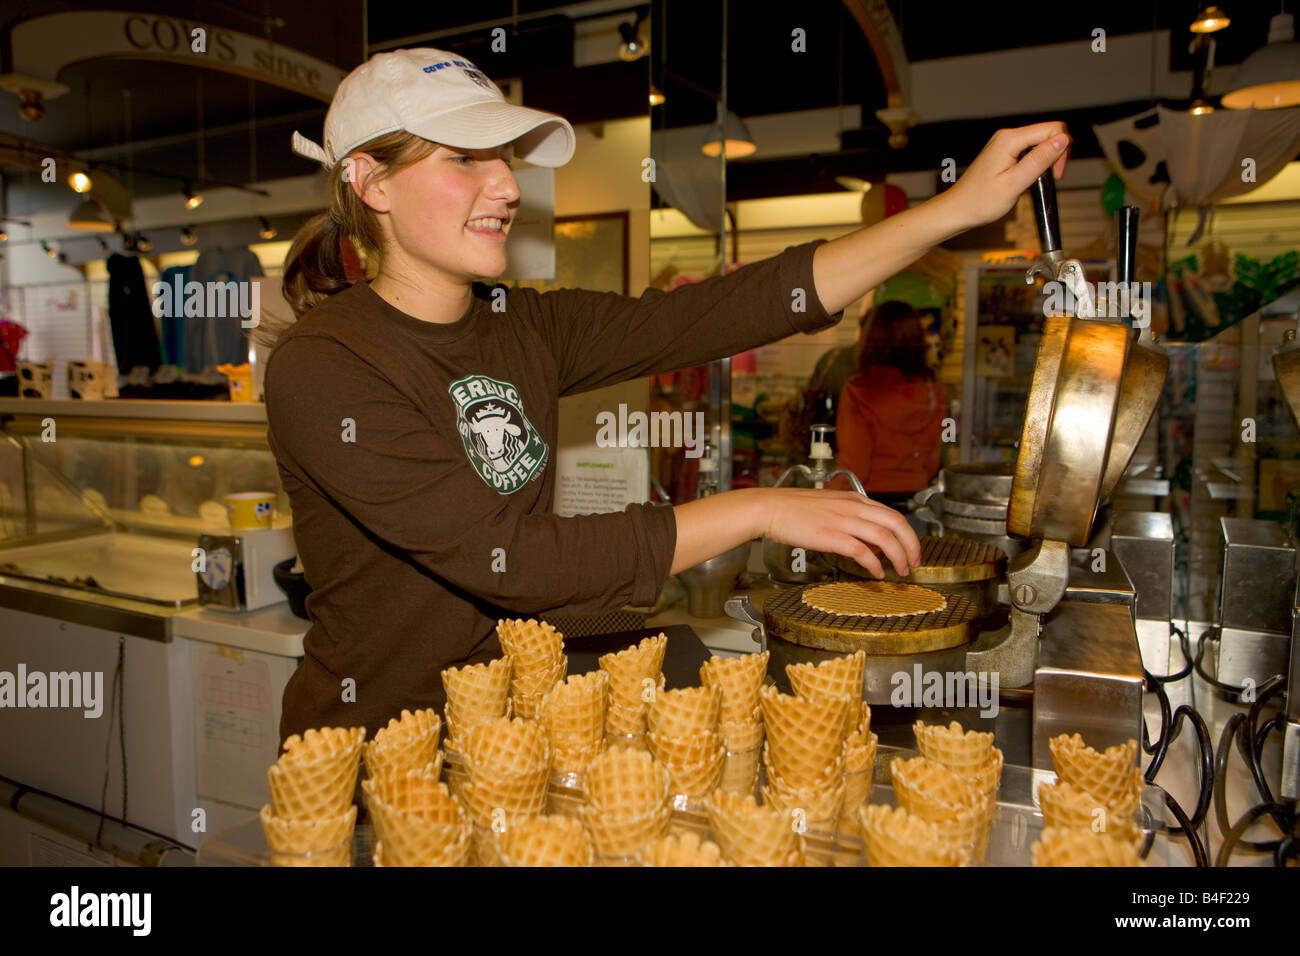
751,834
804,736
408,744
686,849
860,752
626,783
308,834
742,736
894,837
1108,776
1057,847
326,745
621,836
930,790
835,677
532,645
572,759
698,779
505,748
817,803
857,789
339,856
574,710
1067,807
546,841
415,842
629,667
685,712
684,751
988,777
740,771
962,752
495,799
415,792
528,688
739,680
322,789
478,691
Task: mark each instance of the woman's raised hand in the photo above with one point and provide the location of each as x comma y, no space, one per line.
998,176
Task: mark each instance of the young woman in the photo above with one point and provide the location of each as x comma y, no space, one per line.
413,416
889,418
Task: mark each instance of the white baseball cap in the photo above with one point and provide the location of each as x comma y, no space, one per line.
441,97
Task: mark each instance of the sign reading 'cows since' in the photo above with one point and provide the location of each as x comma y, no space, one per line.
501,443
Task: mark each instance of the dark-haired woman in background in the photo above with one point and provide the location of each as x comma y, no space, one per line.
890,415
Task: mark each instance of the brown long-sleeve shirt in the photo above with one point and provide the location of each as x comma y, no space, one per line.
417,460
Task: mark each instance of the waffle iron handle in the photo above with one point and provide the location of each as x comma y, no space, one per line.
1046,217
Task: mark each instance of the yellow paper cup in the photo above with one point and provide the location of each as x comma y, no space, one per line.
241,381
250,510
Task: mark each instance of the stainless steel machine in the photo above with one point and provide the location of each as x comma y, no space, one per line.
1069,631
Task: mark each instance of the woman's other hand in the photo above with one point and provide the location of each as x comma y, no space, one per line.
841,522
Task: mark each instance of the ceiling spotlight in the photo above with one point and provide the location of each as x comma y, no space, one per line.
4,236
31,105
634,45
1210,20
143,243
265,229
80,182
192,199
63,258
187,237
1200,107
90,216
656,97
48,249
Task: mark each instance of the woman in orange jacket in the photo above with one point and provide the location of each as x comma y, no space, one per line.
890,413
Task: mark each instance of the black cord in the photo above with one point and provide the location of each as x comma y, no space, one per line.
1249,817
115,707
1238,727
1170,728
1188,829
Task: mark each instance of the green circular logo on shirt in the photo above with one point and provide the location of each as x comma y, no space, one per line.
501,443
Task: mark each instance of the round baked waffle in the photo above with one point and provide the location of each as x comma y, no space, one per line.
950,559
873,599
787,616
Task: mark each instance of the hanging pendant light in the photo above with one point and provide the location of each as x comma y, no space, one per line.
733,136
89,216
1269,78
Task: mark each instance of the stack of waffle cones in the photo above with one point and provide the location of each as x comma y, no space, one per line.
417,821
933,793
894,837
311,816
1061,847
635,676
536,653
627,802
509,763
836,677
754,835
545,841
971,756
859,762
573,713
739,679
684,738
804,756
686,849
408,743
1098,793
476,693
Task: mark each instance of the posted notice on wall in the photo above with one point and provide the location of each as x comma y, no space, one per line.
589,478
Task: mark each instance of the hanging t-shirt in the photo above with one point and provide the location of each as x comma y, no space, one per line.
212,340
173,314
417,457
130,313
